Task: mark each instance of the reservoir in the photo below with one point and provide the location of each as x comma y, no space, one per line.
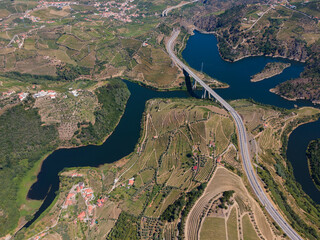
201,48
202,52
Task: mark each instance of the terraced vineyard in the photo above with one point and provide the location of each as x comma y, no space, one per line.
177,136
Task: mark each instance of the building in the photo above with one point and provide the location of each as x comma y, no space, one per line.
82,215
131,182
23,96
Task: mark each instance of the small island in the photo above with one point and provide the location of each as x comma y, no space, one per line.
313,155
271,69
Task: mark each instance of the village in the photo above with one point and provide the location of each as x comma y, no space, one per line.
92,202
122,11
43,93
118,10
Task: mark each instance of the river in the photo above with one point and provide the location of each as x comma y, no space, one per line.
120,143
201,48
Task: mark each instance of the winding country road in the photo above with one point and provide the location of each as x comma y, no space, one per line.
244,149
166,11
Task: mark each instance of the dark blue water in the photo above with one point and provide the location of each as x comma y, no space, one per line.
202,48
296,153
121,143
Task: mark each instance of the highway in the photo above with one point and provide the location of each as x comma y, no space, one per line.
166,11
244,149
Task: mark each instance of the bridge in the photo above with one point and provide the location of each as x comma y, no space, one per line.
242,135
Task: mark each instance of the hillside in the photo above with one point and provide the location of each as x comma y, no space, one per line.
29,133
275,29
185,176
146,194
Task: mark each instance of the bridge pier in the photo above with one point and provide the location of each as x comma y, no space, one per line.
194,86
204,93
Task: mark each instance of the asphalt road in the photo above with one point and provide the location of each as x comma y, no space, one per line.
244,149
166,11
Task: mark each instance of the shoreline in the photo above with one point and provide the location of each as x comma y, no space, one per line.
45,157
314,102
272,90
194,28
309,168
310,172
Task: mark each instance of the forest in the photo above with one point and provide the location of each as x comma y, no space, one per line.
23,142
313,154
112,99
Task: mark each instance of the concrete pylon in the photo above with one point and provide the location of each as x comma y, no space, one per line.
194,85
204,93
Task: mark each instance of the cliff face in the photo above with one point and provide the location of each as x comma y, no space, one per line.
279,33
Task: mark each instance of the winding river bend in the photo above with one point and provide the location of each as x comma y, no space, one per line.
201,48
120,143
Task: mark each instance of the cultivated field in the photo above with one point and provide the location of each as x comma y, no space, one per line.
269,129
208,208
175,139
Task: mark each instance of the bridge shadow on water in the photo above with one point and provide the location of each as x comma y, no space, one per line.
191,92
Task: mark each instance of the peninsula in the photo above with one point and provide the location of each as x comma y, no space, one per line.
270,70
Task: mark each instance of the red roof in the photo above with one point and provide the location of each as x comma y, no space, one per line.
81,215
70,195
88,190
90,208
195,167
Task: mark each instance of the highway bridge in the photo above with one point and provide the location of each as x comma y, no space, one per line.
242,134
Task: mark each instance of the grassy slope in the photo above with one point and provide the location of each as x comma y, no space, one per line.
232,225
213,228
248,231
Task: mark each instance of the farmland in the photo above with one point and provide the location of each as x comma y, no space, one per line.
187,147
214,206
269,128
177,136
185,167
76,40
